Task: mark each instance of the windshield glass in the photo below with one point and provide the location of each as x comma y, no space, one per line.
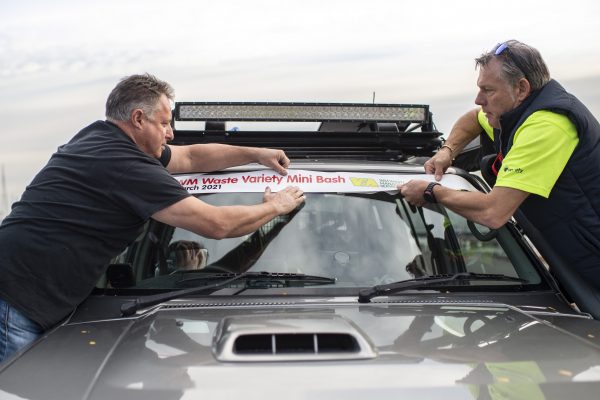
357,239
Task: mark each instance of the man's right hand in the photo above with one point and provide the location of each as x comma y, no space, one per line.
465,129
285,200
439,163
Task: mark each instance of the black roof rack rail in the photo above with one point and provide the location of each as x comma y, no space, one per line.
345,130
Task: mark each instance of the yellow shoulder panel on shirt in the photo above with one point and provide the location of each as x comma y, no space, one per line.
541,149
485,124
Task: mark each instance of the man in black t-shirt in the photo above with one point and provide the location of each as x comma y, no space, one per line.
95,194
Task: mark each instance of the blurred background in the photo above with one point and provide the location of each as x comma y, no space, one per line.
60,59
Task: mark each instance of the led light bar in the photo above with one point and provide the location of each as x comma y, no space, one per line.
314,112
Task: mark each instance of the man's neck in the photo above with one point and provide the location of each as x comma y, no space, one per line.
124,126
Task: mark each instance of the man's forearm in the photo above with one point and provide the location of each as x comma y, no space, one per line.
463,132
492,209
221,156
209,157
216,222
247,222
471,205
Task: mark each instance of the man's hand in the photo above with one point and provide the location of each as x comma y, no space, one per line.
274,159
439,163
413,191
286,200
465,129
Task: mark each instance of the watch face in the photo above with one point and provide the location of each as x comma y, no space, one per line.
428,197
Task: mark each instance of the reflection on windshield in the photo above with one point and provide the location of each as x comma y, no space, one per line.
359,239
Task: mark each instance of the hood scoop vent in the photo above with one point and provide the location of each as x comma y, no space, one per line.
296,343
290,338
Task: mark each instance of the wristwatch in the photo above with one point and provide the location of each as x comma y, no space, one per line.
428,193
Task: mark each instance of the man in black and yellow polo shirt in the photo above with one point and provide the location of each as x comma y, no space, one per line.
547,161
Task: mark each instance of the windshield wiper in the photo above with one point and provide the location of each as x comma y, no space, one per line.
283,278
365,295
130,307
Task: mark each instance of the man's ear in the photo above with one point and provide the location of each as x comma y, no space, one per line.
524,89
137,117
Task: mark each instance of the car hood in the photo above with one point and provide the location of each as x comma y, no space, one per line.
330,349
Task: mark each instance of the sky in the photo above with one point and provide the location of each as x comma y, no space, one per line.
59,59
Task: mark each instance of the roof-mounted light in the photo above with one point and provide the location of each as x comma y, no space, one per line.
313,112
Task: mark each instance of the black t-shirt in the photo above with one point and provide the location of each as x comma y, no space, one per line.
82,209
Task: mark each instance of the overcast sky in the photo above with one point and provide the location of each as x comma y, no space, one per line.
59,59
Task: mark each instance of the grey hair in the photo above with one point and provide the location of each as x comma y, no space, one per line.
518,61
136,92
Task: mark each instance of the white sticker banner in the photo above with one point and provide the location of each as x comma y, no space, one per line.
308,181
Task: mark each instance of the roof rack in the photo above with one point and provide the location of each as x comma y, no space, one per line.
345,130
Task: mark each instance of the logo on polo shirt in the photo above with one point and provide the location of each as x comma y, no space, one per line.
515,170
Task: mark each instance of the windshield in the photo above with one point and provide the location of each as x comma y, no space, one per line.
357,239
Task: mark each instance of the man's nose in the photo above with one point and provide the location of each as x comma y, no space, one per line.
169,134
479,99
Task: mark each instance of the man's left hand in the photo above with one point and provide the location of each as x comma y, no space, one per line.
274,159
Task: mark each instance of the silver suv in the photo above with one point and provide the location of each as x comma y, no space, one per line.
357,294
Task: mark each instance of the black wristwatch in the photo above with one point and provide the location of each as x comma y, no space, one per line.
428,193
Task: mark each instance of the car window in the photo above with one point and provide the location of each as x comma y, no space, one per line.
360,239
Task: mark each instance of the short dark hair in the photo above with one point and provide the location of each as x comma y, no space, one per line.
133,92
518,61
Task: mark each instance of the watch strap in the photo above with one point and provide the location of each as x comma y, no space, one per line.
428,194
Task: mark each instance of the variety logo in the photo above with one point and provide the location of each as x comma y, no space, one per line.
364,182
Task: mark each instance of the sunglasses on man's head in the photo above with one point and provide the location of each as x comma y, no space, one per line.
503,48
500,48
